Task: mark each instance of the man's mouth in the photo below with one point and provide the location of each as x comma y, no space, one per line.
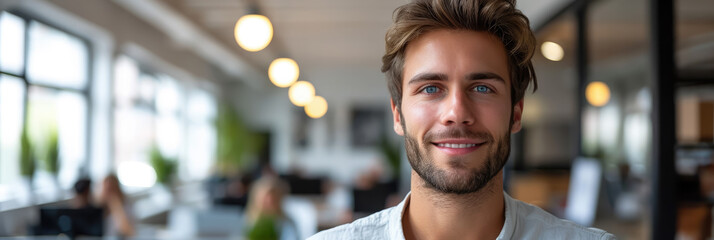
458,147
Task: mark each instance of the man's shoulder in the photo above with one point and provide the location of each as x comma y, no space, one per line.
375,226
534,221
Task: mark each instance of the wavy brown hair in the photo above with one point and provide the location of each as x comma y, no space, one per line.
497,17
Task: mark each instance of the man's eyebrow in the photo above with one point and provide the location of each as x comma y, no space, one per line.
485,75
428,76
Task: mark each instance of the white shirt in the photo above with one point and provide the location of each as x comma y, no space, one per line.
523,221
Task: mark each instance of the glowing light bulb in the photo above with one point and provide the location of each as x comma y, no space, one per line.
301,93
253,32
283,72
597,94
317,108
552,51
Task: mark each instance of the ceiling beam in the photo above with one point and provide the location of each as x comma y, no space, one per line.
186,34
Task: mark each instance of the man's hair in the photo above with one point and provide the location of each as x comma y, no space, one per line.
497,17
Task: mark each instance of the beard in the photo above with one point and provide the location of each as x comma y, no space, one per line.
445,181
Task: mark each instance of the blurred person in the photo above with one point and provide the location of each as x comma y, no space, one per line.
119,219
82,194
369,179
236,192
457,71
265,217
337,207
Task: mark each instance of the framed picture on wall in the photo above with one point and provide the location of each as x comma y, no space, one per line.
309,132
368,124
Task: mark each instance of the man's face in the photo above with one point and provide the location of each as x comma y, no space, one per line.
456,112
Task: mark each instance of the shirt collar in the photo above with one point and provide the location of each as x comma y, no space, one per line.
396,231
509,225
395,221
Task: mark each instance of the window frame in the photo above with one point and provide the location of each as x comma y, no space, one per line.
85,92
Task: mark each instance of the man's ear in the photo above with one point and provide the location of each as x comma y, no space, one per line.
397,119
517,115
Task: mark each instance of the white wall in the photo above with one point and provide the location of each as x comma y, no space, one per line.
329,150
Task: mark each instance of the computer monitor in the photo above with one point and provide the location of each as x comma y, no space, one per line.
72,222
583,192
304,186
371,200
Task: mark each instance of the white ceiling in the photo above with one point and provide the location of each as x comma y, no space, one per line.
318,34
339,42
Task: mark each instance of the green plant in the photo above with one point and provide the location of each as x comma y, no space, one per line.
52,153
27,156
391,153
235,141
164,167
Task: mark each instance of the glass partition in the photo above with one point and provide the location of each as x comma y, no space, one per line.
549,113
617,112
694,160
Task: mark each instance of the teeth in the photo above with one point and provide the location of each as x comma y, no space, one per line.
453,145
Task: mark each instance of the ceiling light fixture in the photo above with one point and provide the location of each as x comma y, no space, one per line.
597,94
317,108
283,72
552,51
253,32
301,93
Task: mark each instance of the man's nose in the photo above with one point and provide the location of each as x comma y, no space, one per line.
457,109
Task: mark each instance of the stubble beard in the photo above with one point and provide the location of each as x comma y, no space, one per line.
445,181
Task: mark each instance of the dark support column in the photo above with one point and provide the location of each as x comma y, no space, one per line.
581,67
664,206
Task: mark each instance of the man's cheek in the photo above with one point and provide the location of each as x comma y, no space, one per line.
422,113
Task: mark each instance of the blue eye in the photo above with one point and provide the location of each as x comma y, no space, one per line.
430,89
482,89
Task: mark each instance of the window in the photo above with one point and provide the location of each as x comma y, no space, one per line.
155,110
200,135
44,89
134,127
12,94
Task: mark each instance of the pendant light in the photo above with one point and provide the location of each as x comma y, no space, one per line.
317,108
301,93
283,72
253,32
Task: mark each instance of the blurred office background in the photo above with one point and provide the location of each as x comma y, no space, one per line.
619,135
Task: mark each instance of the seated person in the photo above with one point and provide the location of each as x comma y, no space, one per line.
265,217
118,210
82,194
80,218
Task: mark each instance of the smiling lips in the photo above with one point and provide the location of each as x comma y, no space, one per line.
458,147
455,145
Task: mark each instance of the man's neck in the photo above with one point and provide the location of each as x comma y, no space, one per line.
434,215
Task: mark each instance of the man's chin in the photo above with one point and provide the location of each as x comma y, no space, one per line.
465,163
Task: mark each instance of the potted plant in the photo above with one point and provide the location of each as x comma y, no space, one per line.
51,159
27,162
164,167
235,143
390,151
392,154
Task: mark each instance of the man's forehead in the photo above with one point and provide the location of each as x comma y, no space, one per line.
444,32
440,52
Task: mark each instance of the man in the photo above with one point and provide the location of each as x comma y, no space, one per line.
457,71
